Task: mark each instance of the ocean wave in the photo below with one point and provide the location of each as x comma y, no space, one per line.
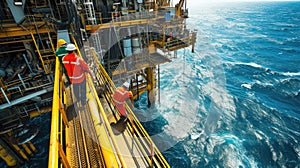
250,64
257,84
276,41
178,109
292,39
246,85
278,90
291,73
272,132
228,47
232,151
281,24
262,128
291,50
290,82
227,148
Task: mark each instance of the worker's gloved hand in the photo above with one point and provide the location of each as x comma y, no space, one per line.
130,94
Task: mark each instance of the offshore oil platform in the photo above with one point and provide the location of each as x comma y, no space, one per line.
121,40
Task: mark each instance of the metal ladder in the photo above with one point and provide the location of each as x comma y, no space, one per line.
96,43
43,44
90,12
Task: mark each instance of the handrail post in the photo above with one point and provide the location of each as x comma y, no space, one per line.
63,113
151,154
63,156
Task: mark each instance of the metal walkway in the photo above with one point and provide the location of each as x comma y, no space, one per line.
82,135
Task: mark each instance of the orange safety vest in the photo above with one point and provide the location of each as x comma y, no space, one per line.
121,95
75,67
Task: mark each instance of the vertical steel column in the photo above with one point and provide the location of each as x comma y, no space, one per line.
6,98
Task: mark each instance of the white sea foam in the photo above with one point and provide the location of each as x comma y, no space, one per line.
253,64
234,155
246,85
285,24
275,41
297,150
178,103
292,39
195,136
291,73
221,99
258,135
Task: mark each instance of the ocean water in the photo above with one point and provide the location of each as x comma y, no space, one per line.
235,102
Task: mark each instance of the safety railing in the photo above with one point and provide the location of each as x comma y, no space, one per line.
57,156
145,143
132,18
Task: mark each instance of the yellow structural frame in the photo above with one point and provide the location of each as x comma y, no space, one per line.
54,136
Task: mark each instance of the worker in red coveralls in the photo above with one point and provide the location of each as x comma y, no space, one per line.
120,96
76,69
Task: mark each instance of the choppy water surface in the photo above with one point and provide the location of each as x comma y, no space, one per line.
236,101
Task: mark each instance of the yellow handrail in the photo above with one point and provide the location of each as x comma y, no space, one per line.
53,149
144,132
103,114
109,128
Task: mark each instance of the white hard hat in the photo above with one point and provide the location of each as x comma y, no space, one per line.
126,84
71,47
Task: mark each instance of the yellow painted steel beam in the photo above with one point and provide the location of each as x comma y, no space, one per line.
36,113
141,91
39,53
32,147
101,68
103,133
20,151
28,151
17,32
94,28
10,25
132,127
138,124
13,41
53,148
9,159
137,136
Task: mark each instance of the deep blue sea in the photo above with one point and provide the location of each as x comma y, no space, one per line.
235,102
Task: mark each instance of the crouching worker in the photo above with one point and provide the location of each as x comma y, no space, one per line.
120,96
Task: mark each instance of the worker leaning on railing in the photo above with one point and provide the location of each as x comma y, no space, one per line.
76,69
120,96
